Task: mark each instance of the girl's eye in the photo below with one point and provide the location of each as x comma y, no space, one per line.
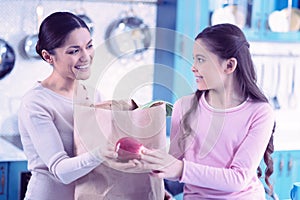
200,60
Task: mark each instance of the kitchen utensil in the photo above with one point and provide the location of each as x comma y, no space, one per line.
29,42
7,58
292,100
127,36
88,22
275,97
262,74
81,13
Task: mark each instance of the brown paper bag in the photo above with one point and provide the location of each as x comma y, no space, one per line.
105,123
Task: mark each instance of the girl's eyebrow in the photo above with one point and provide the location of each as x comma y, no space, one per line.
199,55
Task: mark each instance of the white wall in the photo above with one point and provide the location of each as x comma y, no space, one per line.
283,56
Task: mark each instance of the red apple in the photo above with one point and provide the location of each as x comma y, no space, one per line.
128,148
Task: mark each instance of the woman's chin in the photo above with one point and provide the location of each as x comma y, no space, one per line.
83,75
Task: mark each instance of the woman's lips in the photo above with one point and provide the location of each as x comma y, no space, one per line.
82,67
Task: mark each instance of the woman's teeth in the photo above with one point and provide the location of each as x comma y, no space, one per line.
82,67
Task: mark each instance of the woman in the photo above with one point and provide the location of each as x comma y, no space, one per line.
220,134
46,112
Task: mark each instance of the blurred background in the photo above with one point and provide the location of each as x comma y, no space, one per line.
146,45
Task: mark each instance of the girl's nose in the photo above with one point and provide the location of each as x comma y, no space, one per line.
193,68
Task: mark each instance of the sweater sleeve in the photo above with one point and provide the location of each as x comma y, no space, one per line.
245,160
39,124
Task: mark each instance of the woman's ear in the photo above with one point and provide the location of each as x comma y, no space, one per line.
47,57
231,65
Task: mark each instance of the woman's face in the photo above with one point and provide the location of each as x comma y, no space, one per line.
207,67
73,59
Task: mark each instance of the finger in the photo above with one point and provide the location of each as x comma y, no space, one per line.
154,153
151,159
122,166
110,154
158,174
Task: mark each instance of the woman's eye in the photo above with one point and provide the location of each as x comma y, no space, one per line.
73,51
90,46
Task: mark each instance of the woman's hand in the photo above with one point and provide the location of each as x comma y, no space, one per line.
109,157
162,164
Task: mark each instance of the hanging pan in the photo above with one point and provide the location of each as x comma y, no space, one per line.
29,42
7,58
127,36
81,13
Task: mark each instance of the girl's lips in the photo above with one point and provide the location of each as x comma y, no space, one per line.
198,78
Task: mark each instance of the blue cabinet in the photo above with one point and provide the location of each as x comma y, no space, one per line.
194,16
3,181
10,179
286,172
12,164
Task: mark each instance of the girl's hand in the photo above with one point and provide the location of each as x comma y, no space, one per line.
161,164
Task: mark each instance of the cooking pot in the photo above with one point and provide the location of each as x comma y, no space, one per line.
29,44
7,58
30,41
88,22
127,36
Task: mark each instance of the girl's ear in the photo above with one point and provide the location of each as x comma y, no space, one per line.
231,65
47,57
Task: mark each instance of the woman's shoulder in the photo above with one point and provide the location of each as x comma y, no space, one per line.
35,93
39,95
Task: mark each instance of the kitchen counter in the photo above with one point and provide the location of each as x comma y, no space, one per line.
9,152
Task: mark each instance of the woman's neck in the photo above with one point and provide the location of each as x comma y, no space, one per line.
60,85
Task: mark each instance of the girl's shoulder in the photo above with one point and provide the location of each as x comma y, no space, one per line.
185,99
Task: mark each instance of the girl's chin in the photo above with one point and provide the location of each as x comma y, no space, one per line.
202,87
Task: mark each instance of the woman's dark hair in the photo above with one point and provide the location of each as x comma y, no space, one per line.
55,29
227,41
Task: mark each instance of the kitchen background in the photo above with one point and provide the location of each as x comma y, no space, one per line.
276,55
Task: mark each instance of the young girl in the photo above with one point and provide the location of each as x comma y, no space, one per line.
220,134
46,112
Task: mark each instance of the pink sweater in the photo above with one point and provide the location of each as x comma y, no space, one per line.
221,158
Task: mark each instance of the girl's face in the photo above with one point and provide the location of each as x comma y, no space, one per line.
207,68
73,59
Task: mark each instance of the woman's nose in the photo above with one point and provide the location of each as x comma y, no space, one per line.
85,56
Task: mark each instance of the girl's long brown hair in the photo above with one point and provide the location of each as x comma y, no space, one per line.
227,41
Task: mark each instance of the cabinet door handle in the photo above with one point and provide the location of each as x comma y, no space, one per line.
2,180
281,165
290,166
